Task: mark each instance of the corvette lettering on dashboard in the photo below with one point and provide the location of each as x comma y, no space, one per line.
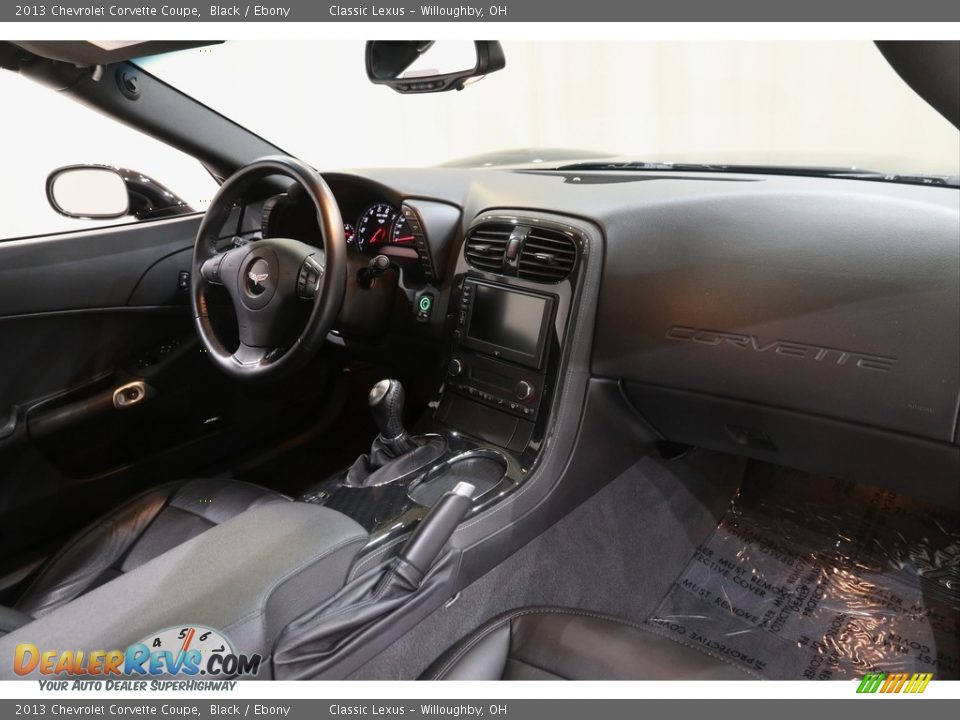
790,348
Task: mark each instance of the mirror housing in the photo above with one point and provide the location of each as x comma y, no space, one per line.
91,192
388,60
102,192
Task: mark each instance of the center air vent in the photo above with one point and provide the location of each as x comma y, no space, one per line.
531,252
546,256
487,245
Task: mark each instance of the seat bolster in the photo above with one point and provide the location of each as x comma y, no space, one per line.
247,577
77,567
136,532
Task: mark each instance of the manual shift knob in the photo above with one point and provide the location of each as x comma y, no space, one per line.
386,403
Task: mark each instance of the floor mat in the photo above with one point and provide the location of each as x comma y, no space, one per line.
821,579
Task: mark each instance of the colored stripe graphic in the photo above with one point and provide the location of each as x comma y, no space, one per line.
894,683
871,682
921,682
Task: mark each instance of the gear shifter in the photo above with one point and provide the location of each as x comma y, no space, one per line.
393,454
386,403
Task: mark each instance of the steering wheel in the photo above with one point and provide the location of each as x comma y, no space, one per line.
266,279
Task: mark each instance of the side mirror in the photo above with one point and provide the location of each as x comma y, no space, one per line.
100,192
93,192
425,66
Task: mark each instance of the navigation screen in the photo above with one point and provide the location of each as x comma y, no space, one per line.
509,320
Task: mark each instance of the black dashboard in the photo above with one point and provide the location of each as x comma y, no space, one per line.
806,321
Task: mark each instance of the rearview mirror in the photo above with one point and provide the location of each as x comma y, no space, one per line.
92,192
425,66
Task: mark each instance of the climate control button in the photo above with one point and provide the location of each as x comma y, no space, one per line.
523,390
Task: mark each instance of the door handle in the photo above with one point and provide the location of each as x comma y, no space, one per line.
132,394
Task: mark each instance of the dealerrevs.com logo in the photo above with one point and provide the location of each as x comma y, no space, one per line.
189,650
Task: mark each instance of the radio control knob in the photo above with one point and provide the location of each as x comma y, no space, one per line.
523,390
454,368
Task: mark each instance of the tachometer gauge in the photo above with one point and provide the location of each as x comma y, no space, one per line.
374,226
401,235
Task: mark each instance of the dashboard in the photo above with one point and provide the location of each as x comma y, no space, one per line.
746,313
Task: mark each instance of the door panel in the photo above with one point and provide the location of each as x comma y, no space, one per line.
83,270
81,315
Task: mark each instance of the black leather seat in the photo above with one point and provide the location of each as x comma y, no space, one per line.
134,533
544,643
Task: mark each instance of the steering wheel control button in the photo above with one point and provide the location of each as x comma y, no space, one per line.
308,280
424,306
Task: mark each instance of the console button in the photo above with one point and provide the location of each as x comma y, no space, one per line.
523,390
454,368
424,307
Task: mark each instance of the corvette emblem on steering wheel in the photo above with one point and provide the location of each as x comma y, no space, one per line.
255,282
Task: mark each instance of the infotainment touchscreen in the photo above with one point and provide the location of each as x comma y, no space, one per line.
508,323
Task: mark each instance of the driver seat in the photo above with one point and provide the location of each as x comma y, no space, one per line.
130,535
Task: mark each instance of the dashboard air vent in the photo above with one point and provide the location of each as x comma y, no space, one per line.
487,245
548,256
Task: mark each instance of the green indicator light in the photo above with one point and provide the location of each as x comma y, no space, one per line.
425,303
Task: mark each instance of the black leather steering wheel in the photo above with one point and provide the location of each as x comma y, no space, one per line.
267,278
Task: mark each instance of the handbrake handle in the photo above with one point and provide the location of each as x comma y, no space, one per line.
431,535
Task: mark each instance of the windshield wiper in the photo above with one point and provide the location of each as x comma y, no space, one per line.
830,172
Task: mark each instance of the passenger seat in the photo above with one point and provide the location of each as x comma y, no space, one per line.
547,643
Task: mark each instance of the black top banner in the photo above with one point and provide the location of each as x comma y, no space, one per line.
497,11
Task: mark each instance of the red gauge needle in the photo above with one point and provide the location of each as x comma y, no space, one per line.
405,238
376,236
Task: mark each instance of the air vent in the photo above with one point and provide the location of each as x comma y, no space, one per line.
548,256
487,245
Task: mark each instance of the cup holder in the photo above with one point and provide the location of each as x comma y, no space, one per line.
484,469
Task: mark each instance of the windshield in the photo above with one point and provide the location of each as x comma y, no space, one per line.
836,104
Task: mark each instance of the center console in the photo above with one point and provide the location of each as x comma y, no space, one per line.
499,346
504,341
494,437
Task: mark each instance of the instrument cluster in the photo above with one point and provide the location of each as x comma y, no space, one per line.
377,226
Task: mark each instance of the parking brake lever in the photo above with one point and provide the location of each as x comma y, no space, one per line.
428,540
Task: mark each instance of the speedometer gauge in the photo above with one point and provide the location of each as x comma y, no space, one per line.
374,226
401,234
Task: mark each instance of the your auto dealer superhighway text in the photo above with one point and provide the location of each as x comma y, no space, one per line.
172,11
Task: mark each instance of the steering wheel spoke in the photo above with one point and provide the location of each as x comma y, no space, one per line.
219,269
210,270
252,356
